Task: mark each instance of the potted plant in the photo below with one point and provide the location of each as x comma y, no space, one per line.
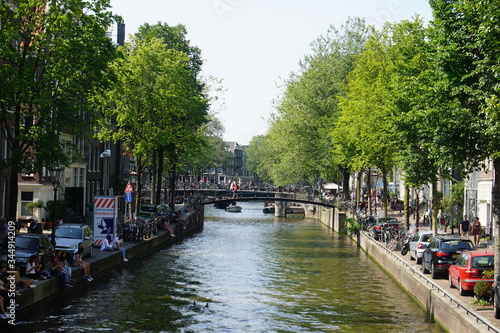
482,290
35,205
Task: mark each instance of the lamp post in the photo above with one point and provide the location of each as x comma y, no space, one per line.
105,155
55,177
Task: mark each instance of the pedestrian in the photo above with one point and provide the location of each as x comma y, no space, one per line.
440,220
463,227
476,231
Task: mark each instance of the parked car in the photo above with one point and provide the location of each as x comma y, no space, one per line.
495,296
419,243
469,268
69,235
148,211
28,245
375,230
442,252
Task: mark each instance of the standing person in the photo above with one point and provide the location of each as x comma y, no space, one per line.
463,227
440,220
117,244
476,231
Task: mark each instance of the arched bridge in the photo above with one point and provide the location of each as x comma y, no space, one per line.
211,196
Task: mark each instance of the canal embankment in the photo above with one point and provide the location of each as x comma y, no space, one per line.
102,262
451,311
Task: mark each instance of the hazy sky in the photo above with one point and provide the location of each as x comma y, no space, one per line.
253,45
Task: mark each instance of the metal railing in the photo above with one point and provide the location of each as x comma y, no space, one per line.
458,303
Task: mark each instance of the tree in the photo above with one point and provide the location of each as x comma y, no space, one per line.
299,133
53,59
466,34
157,105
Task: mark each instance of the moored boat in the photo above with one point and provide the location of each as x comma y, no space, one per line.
269,209
233,208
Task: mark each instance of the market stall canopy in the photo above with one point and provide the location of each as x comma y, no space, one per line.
332,186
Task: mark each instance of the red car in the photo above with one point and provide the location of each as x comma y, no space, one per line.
469,268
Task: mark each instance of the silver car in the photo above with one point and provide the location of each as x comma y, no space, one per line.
419,244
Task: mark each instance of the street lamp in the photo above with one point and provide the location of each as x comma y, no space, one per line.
55,177
105,155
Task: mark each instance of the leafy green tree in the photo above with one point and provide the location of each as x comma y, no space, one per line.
299,133
156,104
53,58
365,112
184,131
466,34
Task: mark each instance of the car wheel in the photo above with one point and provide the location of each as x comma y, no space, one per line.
450,282
424,269
434,274
461,289
419,260
496,307
411,256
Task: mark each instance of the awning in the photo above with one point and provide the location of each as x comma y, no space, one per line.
332,186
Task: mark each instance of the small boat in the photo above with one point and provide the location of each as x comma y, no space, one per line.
268,210
295,209
233,208
221,204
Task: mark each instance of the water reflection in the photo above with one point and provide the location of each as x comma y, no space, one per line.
246,272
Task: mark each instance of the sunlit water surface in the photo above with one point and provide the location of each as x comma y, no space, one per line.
246,272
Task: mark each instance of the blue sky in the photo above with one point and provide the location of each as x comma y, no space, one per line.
253,45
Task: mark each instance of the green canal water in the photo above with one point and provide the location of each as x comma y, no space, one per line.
246,272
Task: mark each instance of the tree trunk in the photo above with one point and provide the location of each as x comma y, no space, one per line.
434,207
359,198
386,190
153,178
345,183
369,190
407,207
12,197
496,214
138,189
159,175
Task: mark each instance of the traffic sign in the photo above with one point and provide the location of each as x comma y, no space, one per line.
128,196
129,188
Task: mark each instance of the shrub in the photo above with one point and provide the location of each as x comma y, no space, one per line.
482,289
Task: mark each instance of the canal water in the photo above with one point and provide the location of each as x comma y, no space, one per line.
246,272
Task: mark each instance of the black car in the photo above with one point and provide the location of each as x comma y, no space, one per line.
28,245
381,223
495,296
442,252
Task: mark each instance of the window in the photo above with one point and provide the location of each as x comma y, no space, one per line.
26,198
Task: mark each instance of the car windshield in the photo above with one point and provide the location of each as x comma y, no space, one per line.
482,262
69,233
26,243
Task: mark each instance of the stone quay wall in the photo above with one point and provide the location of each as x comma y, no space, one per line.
104,261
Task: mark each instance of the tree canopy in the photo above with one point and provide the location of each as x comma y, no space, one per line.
53,60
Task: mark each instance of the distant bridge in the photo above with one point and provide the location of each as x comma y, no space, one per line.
211,196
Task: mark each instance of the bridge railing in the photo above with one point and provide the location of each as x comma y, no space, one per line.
209,196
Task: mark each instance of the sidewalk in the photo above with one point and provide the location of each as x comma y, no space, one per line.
102,262
483,243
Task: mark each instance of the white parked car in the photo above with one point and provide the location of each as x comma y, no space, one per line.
419,244
68,235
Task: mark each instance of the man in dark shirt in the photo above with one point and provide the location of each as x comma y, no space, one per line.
463,228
